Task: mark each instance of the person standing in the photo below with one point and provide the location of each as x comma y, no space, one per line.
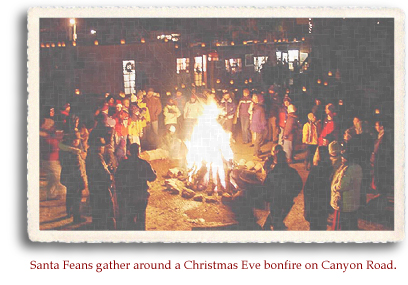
228,111
49,153
73,175
258,123
273,114
131,180
289,132
244,116
282,184
311,131
155,108
180,102
171,113
329,125
345,193
192,110
317,191
283,115
102,195
382,161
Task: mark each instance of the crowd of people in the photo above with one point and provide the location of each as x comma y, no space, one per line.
104,156
342,170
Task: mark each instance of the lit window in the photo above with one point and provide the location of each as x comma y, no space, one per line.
258,62
129,76
233,65
183,64
198,70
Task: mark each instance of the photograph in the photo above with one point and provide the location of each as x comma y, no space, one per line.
215,125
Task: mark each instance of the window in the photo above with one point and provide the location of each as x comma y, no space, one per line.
129,77
303,56
183,64
198,70
258,62
249,59
233,65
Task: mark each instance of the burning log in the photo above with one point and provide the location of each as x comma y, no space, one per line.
198,198
174,186
187,193
199,177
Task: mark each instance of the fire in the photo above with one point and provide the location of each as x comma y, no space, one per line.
209,150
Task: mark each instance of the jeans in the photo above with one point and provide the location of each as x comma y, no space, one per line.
273,130
280,136
259,138
246,134
288,148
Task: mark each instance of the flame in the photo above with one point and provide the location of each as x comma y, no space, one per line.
209,145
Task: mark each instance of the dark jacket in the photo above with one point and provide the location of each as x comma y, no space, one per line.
290,127
131,180
258,123
99,176
282,184
72,168
155,107
317,192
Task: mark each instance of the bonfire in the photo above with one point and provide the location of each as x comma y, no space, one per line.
210,157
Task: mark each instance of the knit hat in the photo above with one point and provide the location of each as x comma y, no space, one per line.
334,148
291,108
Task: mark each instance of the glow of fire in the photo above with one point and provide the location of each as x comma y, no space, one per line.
209,145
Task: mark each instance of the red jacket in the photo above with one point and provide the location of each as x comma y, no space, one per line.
329,127
283,115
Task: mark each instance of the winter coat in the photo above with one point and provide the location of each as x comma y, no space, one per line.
346,187
155,107
73,173
317,191
228,107
311,133
283,114
131,181
282,184
273,109
258,122
171,113
290,127
329,127
99,176
243,107
192,110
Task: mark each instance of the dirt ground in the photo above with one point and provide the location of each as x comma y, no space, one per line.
167,212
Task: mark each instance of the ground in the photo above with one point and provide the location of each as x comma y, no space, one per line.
167,212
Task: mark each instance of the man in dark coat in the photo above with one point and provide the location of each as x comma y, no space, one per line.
282,185
317,191
132,190
73,175
102,195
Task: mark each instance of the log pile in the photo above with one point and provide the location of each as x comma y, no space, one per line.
198,183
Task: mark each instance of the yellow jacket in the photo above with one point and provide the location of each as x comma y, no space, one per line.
311,133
